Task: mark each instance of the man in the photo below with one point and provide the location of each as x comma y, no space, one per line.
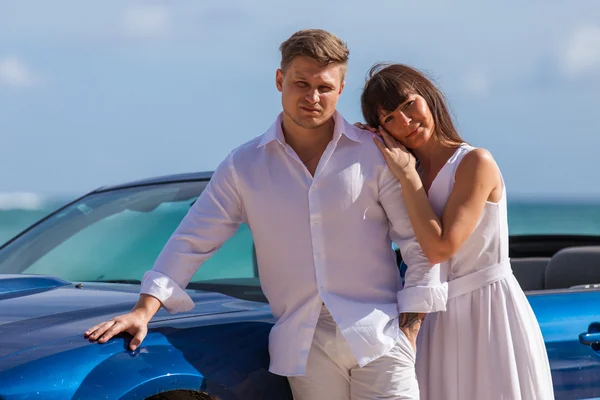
321,205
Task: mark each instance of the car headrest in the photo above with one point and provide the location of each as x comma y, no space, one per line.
530,272
573,266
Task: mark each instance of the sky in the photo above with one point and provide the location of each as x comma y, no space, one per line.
96,93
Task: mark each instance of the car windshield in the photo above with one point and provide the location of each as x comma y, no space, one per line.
116,235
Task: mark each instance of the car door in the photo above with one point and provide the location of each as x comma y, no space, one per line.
570,324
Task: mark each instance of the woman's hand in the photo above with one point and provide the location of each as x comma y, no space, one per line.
398,158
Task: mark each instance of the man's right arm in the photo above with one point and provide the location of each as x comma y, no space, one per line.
213,219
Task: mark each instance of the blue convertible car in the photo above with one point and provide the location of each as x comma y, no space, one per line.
82,264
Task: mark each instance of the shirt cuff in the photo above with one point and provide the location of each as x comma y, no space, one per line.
173,298
423,299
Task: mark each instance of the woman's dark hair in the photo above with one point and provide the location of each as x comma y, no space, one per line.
389,85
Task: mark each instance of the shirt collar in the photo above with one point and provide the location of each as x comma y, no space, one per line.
273,133
342,127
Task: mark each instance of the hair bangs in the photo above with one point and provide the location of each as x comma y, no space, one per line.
383,94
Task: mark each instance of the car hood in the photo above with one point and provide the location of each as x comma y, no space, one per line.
37,309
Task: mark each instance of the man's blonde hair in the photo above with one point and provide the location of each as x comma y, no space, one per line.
322,46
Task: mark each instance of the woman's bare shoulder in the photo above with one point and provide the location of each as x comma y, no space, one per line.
478,164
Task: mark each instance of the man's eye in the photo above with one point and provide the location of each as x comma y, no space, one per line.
410,103
301,84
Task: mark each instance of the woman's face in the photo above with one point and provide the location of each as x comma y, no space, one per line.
411,123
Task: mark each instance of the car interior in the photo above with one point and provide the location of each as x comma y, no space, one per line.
572,267
550,262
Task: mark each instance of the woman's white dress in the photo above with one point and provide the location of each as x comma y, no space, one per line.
488,344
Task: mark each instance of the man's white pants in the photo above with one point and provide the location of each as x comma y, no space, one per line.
333,374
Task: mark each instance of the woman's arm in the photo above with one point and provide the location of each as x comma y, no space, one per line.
477,180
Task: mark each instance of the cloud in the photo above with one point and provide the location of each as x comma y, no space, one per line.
582,54
20,201
14,73
476,83
149,21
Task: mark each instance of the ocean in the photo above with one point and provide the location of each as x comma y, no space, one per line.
529,216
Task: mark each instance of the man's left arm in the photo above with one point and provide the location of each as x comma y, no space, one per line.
423,290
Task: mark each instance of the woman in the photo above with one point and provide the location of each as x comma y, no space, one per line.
488,344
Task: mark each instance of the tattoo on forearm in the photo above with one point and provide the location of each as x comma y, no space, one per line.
410,321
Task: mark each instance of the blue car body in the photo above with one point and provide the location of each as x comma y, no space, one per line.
219,349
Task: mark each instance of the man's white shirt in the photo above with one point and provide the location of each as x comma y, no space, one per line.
318,240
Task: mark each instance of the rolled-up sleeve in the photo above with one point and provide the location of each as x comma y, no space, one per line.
213,219
423,290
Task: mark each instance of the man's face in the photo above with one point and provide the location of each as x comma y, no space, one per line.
309,91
